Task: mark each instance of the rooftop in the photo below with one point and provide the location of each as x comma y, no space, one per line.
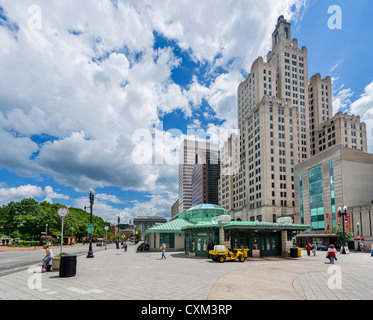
205,206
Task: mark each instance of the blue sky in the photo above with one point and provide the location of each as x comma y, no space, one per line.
76,89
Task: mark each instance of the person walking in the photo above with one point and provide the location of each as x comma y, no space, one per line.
308,248
314,248
210,246
48,257
163,249
125,246
332,253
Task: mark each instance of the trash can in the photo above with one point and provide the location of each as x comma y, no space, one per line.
68,266
294,252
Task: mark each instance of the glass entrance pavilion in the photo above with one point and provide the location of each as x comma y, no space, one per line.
191,232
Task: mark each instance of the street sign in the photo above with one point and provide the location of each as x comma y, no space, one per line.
106,228
123,236
63,212
118,234
90,227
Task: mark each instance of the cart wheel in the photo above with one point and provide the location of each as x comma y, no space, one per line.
241,258
221,259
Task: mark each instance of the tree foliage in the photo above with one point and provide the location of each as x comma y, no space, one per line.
30,218
338,230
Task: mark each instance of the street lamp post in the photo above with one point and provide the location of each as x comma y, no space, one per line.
91,200
118,231
106,229
358,236
343,217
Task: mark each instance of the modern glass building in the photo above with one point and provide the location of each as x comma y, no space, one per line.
206,174
331,179
316,198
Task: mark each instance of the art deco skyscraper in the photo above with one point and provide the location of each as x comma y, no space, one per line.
279,119
273,122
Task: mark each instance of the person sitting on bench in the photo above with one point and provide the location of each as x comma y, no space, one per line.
48,257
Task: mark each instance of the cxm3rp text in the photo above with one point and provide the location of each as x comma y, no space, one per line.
190,309
213,309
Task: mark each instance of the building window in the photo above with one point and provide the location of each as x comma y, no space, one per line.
332,195
168,239
316,198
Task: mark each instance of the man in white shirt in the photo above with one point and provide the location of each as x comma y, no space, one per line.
48,257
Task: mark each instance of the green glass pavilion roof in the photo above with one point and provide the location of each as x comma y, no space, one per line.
205,206
172,226
206,216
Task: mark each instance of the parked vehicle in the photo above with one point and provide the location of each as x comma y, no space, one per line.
321,247
143,247
222,253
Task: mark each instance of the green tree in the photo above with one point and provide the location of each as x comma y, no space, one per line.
30,218
338,231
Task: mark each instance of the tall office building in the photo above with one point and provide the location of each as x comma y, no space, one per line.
230,165
327,130
280,117
187,160
205,177
273,120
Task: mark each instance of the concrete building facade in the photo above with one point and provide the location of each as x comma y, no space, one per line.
229,168
362,225
175,208
145,222
334,178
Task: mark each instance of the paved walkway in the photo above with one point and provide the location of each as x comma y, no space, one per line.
114,274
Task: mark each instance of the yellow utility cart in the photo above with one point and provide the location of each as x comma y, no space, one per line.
222,253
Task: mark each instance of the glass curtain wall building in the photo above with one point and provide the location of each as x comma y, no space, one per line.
316,198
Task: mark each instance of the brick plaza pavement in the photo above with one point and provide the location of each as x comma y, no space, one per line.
117,275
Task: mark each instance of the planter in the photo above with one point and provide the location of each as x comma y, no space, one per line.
56,263
256,253
57,259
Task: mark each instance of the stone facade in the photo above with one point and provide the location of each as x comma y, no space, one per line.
283,121
362,215
146,222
